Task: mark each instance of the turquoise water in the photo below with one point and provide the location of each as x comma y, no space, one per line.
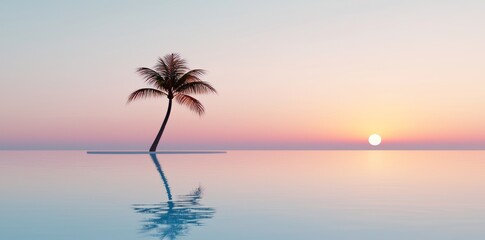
243,195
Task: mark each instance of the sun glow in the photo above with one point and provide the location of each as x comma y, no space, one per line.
375,139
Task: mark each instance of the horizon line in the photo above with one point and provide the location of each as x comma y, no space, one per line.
131,151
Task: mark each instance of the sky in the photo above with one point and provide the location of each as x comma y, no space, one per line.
290,74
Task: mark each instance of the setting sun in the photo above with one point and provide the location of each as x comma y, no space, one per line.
375,139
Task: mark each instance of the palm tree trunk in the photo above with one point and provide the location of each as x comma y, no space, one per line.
153,148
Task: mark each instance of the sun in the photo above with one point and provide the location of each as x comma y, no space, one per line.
375,139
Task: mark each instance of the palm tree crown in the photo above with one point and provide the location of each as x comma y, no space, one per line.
172,78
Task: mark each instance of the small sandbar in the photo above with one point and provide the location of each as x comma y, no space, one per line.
158,152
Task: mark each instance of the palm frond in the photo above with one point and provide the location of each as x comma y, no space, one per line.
190,76
162,67
190,102
144,93
151,76
176,62
196,88
177,66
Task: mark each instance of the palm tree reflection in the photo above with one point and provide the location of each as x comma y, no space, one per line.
168,220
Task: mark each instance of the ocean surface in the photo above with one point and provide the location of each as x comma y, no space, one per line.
243,195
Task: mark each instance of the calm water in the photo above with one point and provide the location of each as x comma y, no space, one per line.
243,195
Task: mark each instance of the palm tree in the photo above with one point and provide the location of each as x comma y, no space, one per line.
172,78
